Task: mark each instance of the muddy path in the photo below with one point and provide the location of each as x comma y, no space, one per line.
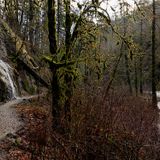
9,121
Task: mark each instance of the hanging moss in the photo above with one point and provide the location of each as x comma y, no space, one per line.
21,49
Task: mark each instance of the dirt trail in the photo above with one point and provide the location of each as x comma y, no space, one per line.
9,122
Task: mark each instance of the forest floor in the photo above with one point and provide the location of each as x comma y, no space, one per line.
18,123
35,139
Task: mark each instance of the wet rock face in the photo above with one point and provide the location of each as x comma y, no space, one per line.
3,54
3,91
7,81
23,82
3,51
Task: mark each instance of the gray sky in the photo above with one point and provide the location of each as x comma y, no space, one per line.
114,4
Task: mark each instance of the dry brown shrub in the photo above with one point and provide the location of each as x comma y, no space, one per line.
121,127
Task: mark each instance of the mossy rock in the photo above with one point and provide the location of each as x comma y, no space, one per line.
28,87
4,94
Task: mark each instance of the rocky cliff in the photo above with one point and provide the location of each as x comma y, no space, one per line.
23,69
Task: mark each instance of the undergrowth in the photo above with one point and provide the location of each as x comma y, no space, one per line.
120,127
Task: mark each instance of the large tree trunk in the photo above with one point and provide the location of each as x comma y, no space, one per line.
53,49
68,78
31,16
16,10
154,97
59,21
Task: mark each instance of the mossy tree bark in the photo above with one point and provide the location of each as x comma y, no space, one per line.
21,48
53,50
68,77
59,21
22,56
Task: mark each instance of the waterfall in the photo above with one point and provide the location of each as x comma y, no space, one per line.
6,76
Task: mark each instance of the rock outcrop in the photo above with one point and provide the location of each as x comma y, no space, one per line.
25,68
3,91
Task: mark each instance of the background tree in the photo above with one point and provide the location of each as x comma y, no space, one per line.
154,97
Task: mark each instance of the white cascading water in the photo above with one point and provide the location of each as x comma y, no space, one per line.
5,74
